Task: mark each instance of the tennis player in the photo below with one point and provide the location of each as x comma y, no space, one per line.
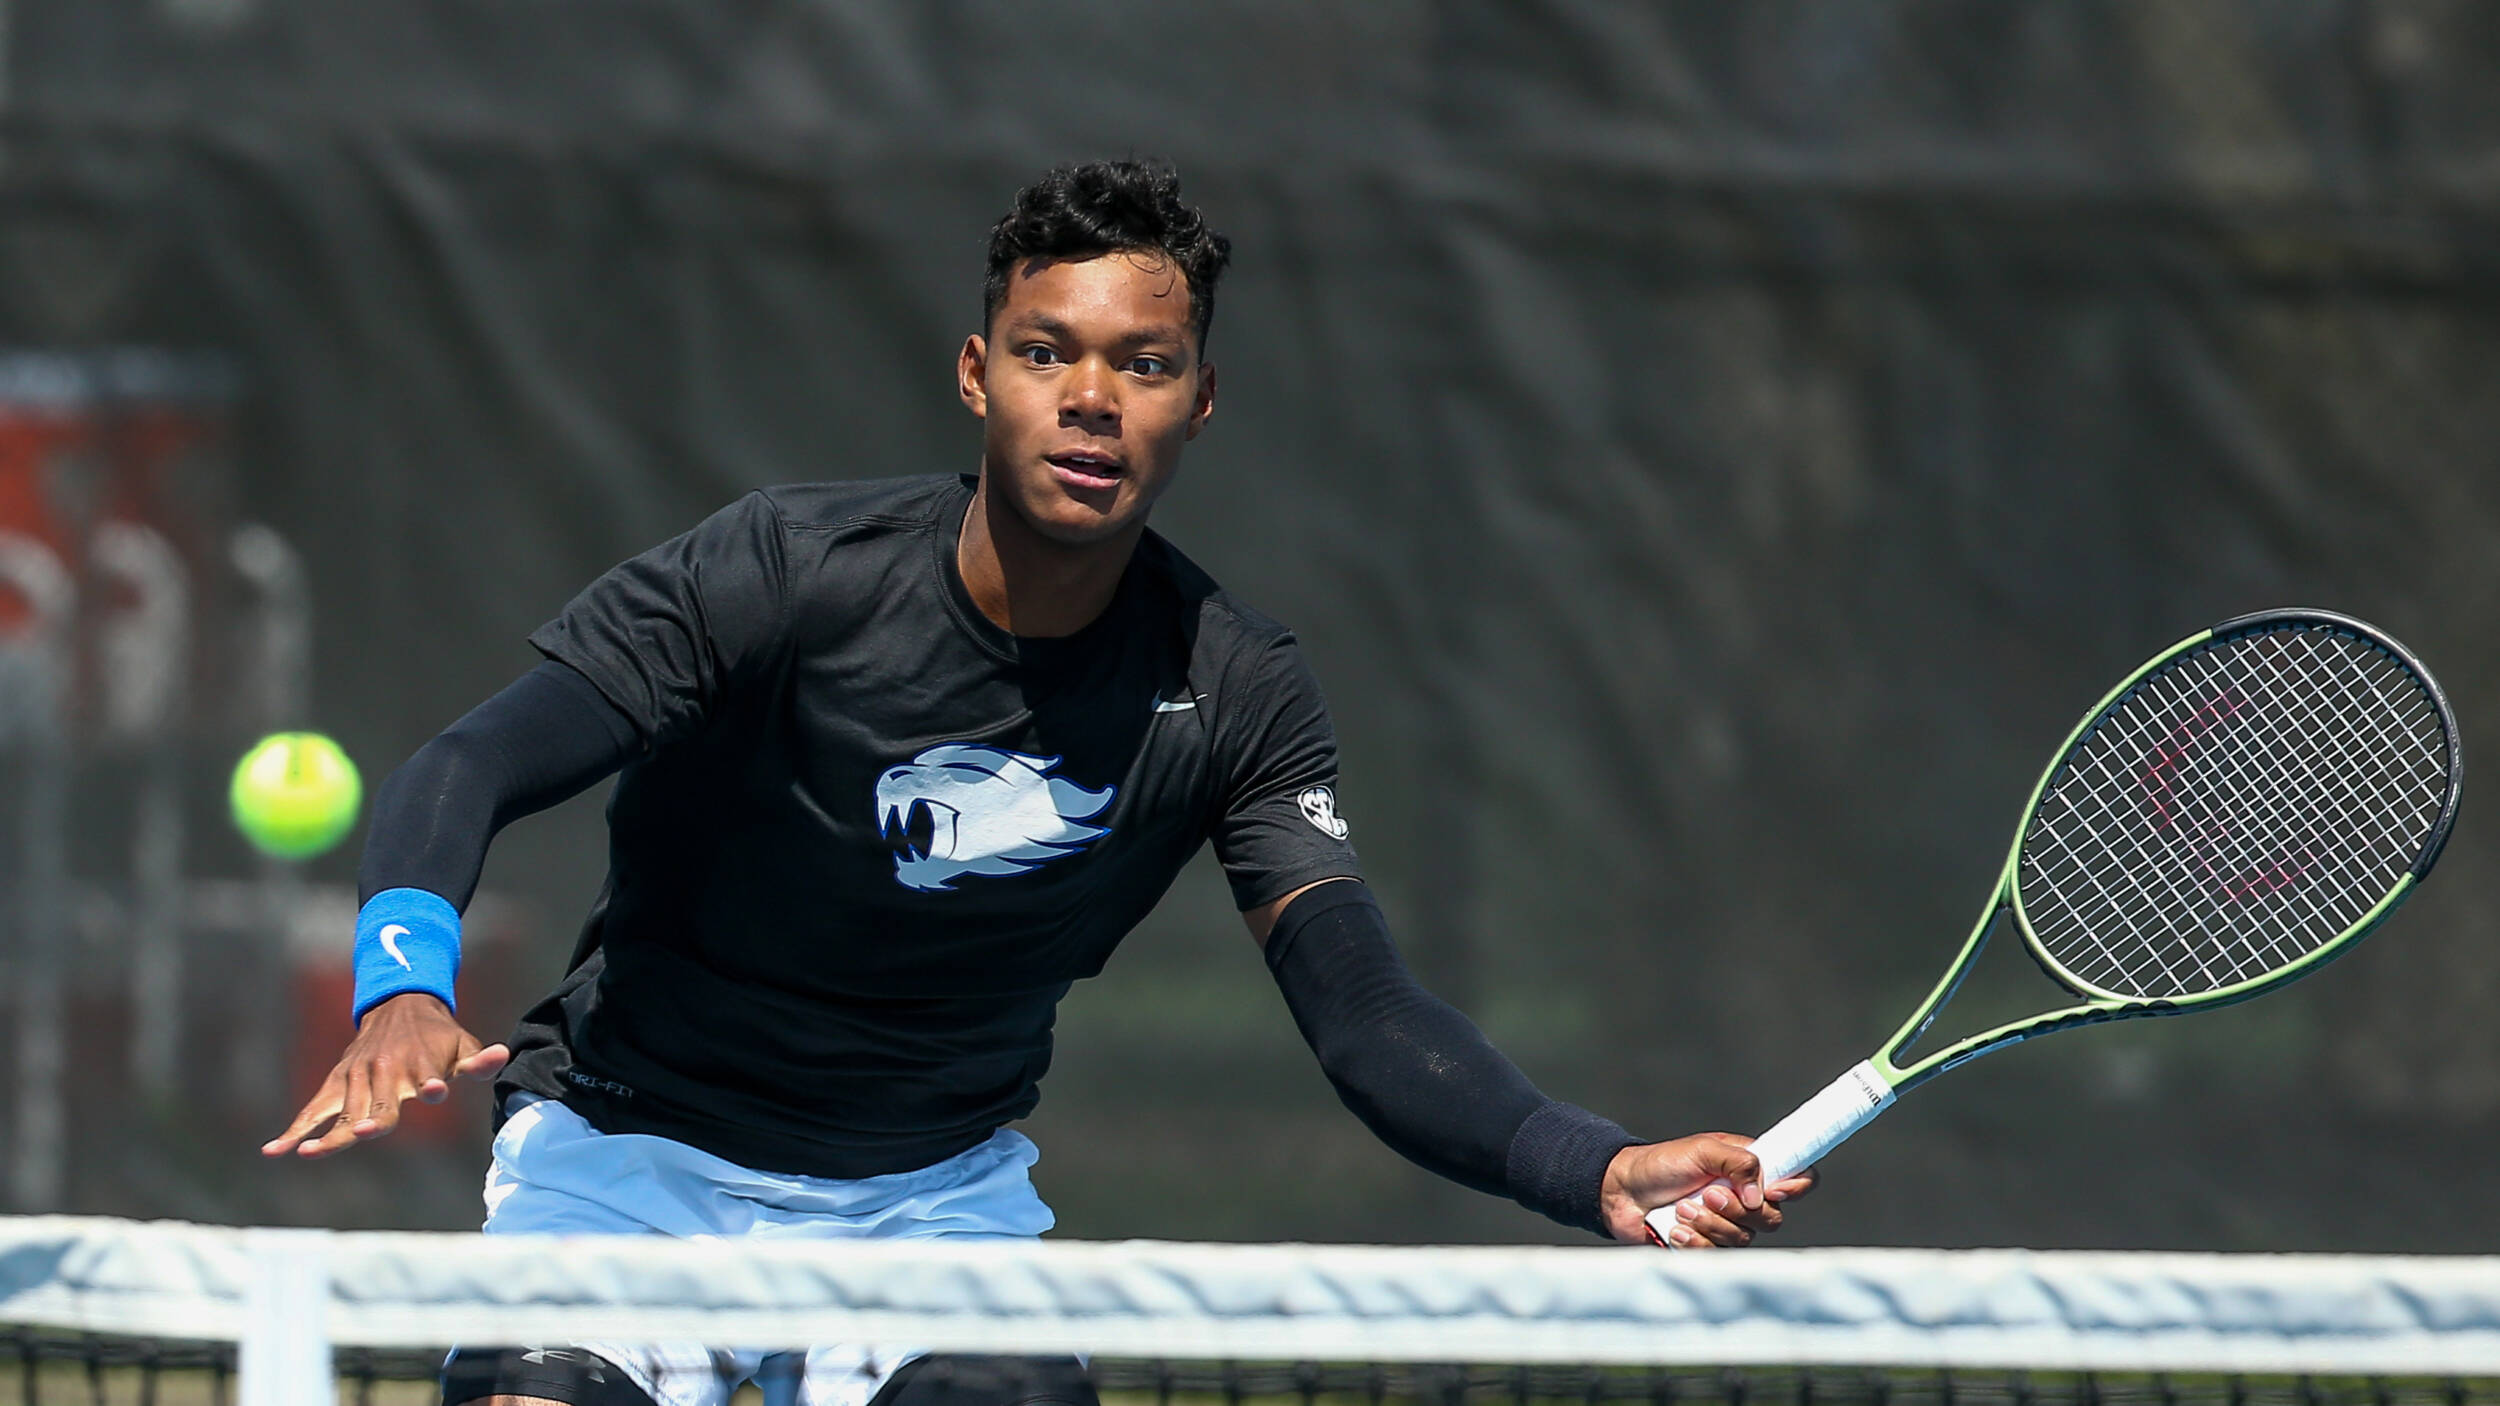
899,760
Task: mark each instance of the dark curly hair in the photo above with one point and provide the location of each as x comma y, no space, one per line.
1103,207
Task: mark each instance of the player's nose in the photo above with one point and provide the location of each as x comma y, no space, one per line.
1092,393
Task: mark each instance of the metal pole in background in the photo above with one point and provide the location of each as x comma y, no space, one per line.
145,654
277,653
34,678
278,649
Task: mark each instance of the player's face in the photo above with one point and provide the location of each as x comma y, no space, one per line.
1089,383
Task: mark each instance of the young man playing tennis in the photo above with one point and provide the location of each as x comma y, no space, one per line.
901,760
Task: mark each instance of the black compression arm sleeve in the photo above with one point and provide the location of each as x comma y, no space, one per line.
1420,1074
544,739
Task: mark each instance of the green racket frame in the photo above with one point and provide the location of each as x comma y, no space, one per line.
1869,1087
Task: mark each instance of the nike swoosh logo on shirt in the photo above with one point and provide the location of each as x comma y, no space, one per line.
390,943
1175,705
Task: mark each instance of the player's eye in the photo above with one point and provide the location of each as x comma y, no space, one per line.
1040,355
1148,366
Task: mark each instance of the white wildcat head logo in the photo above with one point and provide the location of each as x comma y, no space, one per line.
1319,806
959,809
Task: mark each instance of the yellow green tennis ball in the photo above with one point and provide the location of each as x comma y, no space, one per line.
295,794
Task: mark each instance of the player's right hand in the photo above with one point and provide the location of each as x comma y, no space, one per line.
407,1047
1712,1180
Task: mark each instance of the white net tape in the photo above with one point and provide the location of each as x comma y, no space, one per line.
290,1296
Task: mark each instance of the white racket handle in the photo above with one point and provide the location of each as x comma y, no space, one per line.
1799,1140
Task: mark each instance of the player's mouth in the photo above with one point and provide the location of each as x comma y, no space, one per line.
1085,468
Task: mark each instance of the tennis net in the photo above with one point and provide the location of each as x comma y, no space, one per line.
115,1313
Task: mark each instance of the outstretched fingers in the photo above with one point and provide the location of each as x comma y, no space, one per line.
390,1085
325,1105
468,1062
405,1047
354,1111
482,1063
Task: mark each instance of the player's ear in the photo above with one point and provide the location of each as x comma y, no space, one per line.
1205,405
972,368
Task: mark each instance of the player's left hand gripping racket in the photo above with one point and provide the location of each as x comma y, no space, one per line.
2234,815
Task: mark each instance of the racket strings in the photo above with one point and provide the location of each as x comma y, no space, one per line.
2304,832
2165,890
2293,733
2242,807
2309,832
2181,811
2139,905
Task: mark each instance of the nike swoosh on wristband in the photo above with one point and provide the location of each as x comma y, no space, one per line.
390,943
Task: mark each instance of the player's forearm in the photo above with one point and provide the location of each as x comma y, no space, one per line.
1421,1075
546,737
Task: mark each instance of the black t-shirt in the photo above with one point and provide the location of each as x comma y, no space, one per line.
873,837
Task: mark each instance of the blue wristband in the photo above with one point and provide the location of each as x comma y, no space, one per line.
406,940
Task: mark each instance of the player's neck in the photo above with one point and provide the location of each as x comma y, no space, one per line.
1027,584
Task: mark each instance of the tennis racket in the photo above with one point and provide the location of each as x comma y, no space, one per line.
2237,813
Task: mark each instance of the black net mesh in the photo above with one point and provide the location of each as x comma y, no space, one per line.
40,1369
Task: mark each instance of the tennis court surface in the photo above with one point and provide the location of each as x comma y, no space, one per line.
108,1313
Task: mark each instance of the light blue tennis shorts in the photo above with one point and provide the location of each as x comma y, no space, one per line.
554,1174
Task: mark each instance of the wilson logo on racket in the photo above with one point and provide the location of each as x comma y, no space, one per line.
2294,755
961,808
2191,808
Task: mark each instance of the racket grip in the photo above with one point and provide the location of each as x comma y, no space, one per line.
1799,1140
